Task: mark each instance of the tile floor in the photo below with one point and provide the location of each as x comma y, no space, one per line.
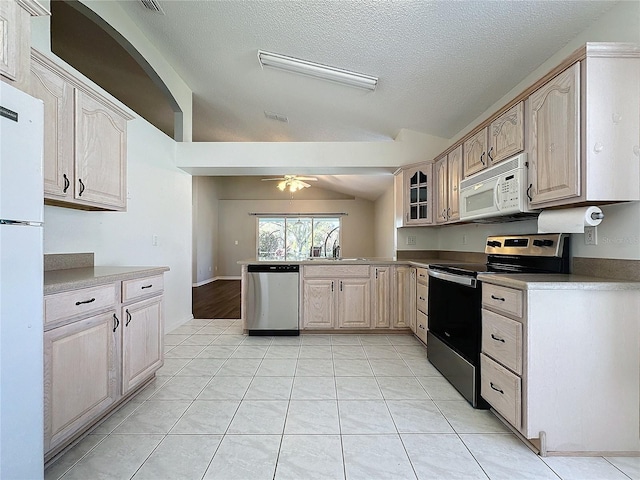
227,406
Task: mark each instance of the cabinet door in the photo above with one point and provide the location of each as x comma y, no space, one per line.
412,300
77,390
382,297
442,190
9,38
402,317
475,153
454,173
100,154
554,129
318,303
506,134
142,336
419,196
354,303
57,95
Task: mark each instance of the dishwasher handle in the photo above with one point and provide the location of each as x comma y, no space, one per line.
273,268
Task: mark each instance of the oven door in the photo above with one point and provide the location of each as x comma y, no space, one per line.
453,338
455,312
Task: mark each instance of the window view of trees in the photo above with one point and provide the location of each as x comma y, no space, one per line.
297,238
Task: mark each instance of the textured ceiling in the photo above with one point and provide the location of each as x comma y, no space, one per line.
440,63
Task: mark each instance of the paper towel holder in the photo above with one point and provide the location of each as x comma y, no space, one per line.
597,216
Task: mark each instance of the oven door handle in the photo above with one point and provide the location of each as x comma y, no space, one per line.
459,279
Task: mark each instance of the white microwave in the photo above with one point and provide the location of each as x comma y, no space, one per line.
497,191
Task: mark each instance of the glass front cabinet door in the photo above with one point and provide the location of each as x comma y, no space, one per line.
418,195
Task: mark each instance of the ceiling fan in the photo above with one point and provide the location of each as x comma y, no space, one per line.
292,182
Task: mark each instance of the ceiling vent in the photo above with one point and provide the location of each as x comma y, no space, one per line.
276,116
152,6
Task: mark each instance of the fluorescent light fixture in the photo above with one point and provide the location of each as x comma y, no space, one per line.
303,67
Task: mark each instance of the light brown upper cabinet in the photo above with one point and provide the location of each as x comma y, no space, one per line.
448,171
85,141
15,39
584,130
501,139
554,131
418,195
506,135
475,153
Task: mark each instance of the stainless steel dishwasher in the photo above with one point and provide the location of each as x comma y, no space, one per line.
272,299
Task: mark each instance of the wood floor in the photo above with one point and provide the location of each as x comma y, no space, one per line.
219,299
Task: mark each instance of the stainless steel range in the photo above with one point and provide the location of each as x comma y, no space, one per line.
455,302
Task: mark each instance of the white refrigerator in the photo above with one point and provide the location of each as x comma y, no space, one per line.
21,285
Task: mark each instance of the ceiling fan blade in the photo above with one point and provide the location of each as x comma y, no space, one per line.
308,179
272,179
303,183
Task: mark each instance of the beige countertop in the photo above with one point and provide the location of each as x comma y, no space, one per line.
422,262
74,278
541,281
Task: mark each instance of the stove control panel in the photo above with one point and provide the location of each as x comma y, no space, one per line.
542,245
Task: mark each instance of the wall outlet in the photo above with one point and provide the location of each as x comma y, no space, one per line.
464,239
154,240
590,235
411,240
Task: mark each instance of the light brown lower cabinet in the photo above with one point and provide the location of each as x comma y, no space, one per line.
95,360
336,297
142,340
560,365
80,375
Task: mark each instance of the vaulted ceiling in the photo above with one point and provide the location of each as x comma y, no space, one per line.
440,63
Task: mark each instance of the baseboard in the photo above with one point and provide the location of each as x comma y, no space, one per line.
209,280
170,327
204,282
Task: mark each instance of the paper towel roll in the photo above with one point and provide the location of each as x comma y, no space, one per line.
569,220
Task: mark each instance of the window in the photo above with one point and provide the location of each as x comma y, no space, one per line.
297,238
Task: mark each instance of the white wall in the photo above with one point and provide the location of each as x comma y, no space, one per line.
205,230
159,204
236,224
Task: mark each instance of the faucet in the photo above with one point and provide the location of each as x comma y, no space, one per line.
336,251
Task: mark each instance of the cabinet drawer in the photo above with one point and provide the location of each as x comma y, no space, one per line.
421,326
328,271
502,340
502,389
422,274
502,299
141,287
81,302
422,292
